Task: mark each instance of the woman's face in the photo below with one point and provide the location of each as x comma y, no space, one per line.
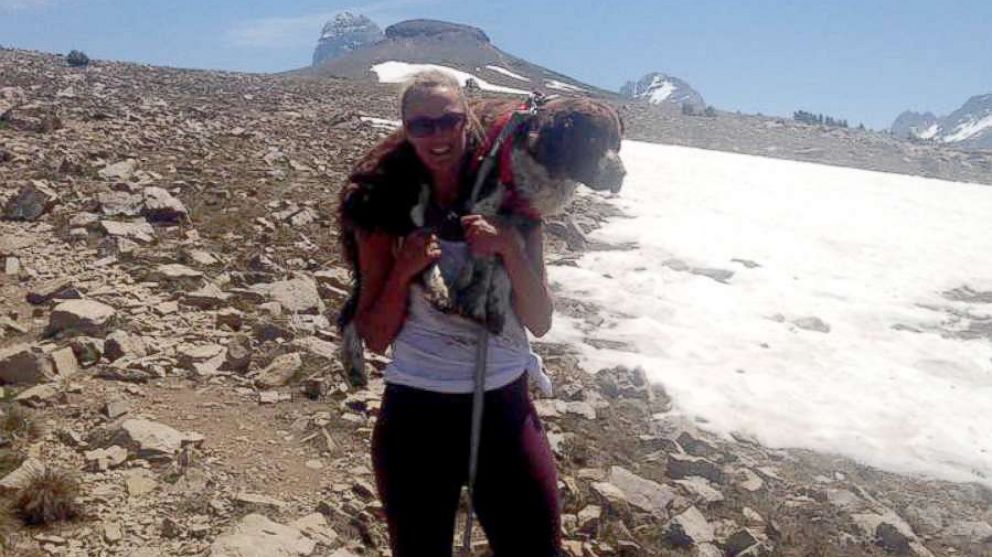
434,122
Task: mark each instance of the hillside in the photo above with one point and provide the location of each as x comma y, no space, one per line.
169,258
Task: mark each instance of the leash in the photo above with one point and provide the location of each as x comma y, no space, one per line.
518,117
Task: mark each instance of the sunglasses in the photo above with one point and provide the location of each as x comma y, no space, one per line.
425,126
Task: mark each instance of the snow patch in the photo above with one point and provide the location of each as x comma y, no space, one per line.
560,86
969,129
865,252
507,73
659,90
381,123
398,72
930,132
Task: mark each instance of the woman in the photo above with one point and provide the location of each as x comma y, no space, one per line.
421,441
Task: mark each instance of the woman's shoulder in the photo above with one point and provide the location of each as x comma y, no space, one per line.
382,188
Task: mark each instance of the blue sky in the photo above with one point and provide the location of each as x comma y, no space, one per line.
861,60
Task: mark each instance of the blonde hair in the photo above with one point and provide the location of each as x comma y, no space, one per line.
426,80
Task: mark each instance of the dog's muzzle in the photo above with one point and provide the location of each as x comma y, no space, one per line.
611,173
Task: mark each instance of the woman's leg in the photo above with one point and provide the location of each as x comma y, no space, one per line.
419,470
516,492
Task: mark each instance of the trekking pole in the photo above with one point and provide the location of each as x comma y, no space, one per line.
478,398
482,350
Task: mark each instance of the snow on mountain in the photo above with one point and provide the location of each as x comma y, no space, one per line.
398,72
968,127
459,47
798,304
506,72
658,88
345,33
562,86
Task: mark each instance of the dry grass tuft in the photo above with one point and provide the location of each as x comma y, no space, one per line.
48,496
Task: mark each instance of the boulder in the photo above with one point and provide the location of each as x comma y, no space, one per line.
690,528
99,460
31,202
144,439
39,395
17,479
25,364
120,344
138,231
298,295
119,171
208,297
80,316
683,466
238,357
257,536
120,204
642,493
280,371
203,359
161,206
64,361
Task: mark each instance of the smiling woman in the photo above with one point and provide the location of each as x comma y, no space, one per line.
421,441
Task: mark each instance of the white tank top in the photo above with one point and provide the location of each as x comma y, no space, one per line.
436,351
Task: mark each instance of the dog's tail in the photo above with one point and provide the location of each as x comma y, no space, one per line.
352,349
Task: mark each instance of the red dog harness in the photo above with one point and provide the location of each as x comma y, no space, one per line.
499,146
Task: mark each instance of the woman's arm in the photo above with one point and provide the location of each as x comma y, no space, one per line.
385,283
523,258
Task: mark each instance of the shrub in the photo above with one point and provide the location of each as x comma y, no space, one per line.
48,496
710,111
77,59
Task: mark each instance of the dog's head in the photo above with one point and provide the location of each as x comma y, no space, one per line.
578,139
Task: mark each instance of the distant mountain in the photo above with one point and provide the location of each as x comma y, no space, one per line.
464,50
658,88
969,127
914,124
345,33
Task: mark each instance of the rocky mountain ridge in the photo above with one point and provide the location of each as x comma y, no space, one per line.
969,127
343,34
459,47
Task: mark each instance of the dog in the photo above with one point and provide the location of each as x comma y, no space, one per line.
566,142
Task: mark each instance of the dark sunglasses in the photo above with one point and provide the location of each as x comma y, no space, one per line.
425,125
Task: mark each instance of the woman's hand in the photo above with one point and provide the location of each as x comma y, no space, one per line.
486,238
418,250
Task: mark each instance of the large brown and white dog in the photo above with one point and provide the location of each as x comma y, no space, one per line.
568,141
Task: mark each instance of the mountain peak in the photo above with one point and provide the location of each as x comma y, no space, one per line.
345,33
658,88
969,127
433,28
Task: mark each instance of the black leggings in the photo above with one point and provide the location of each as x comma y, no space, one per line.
420,454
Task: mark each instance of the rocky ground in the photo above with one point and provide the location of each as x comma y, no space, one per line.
167,260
